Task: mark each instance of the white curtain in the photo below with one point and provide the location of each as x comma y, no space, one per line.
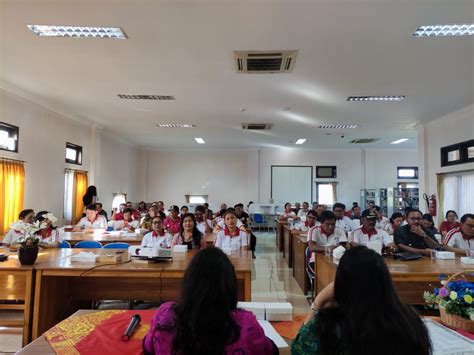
458,193
68,196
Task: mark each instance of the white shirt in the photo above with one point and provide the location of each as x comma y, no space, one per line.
152,239
302,212
345,223
288,215
99,223
120,225
382,223
225,241
317,235
454,239
303,226
53,238
12,237
358,236
201,226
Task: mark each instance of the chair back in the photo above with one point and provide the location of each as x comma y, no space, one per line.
117,245
258,218
64,245
88,244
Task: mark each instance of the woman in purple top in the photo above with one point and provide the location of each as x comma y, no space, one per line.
207,320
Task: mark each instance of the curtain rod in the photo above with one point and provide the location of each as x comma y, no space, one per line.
10,159
456,172
69,169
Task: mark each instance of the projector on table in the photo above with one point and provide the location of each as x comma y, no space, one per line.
154,253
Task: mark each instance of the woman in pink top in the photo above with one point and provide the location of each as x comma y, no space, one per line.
207,320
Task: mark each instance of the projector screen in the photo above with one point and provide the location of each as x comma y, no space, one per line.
291,184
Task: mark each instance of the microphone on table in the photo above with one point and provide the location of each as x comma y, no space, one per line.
134,322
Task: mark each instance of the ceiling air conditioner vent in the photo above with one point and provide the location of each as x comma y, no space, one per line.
146,97
265,62
364,140
257,126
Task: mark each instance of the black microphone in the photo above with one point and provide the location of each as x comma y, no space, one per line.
134,322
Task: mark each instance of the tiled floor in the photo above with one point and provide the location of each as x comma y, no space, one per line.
272,281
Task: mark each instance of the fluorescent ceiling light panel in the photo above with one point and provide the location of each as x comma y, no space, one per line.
400,141
376,98
199,140
176,125
338,126
77,31
301,141
466,29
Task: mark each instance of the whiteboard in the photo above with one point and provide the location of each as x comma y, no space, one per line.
291,184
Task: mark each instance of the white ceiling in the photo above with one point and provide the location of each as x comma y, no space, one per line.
184,48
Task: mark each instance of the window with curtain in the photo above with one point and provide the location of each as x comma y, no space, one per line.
12,192
456,193
118,199
75,186
326,193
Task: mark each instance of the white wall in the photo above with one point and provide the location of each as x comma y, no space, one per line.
451,129
42,143
229,176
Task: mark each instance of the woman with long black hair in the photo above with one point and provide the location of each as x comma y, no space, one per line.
207,321
189,234
360,313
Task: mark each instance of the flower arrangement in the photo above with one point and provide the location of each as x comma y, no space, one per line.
456,297
28,230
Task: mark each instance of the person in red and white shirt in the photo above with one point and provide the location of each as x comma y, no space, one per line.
172,222
343,222
231,237
48,234
13,236
450,223
304,227
126,224
382,221
287,214
304,210
92,220
367,232
327,235
203,224
461,240
158,237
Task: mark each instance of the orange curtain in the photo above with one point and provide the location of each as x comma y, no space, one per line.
12,192
80,187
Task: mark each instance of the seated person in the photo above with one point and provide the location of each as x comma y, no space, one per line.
326,235
15,233
395,221
304,227
92,220
343,222
246,221
360,313
223,207
117,215
48,234
207,320
231,237
126,224
203,224
428,223
142,208
382,221
287,214
356,212
135,213
369,233
189,234
412,237
450,223
183,211
461,240
220,223
158,237
100,210
303,210
172,222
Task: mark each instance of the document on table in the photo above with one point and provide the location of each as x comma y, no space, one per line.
271,333
446,341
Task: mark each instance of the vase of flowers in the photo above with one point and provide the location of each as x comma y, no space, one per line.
28,251
455,299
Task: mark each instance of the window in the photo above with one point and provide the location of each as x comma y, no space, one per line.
326,193
459,153
407,172
73,154
75,186
9,137
326,172
408,185
12,188
196,198
454,193
119,198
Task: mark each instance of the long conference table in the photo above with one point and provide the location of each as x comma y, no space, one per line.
55,286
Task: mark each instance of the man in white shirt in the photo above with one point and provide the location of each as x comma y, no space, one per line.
461,240
126,224
367,232
382,221
343,222
327,235
92,220
304,227
203,224
304,210
13,236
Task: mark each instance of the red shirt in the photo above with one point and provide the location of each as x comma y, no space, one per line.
447,226
171,225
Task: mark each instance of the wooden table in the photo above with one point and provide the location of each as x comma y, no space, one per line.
103,237
279,234
410,278
299,262
62,287
287,246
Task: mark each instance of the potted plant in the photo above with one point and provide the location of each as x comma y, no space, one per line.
455,299
28,250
